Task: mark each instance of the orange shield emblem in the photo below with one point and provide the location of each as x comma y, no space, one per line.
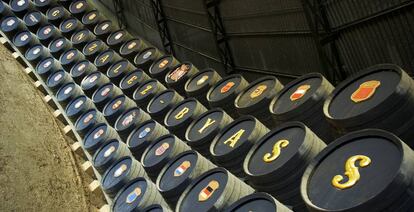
300,92
227,87
365,91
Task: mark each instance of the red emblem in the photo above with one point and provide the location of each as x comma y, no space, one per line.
365,91
300,92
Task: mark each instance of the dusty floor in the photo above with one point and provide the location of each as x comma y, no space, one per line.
38,172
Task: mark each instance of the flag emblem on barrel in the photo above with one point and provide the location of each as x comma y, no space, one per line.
227,87
207,191
133,195
161,149
365,91
180,170
300,92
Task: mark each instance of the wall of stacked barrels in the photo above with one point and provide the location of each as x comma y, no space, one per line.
164,135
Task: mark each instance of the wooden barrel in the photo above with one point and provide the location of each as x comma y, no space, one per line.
162,66
105,59
178,173
33,20
199,84
11,25
69,26
24,40
103,29
146,58
231,145
178,76
91,19
107,154
302,100
81,69
21,7
162,103
58,46
79,8
57,14
67,93
129,120
367,170
47,33
77,107
117,38
98,136
257,202
255,98
93,48
215,190
144,135
118,70
131,48
120,173
46,67
104,94
275,164
44,5
92,82
114,108
181,115
146,91
87,121
70,57
225,91
137,195
81,38
36,53
56,80
201,132
157,208
160,152
380,97
132,80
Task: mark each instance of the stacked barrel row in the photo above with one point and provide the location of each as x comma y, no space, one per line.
123,177
269,160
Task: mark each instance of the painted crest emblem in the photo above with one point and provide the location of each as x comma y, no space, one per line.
132,45
116,105
300,92
179,72
144,132
163,63
109,151
98,134
105,91
227,87
258,91
78,104
88,118
120,170
133,195
67,90
208,191
161,149
180,170
202,80
365,91
128,119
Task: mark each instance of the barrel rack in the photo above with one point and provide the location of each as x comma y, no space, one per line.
75,141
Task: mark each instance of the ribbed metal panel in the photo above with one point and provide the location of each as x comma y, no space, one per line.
386,39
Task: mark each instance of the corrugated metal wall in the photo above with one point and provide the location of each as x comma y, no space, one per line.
373,31
273,36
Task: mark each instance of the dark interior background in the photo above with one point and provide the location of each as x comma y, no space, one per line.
274,37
